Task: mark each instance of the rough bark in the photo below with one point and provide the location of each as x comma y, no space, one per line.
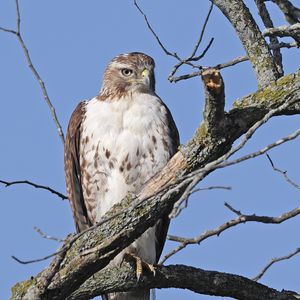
92,250
179,276
251,37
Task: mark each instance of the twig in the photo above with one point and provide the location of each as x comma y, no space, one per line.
273,261
201,34
213,187
284,173
182,61
178,206
222,161
230,63
235,211
241,218
174,54
38,186
34,71
46,236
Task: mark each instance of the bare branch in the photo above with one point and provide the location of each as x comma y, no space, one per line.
279,142
35,72
282,31
167,52
178,276
191,57
240,219
251,37
209,188
230,63
292,13
46,236
284,173
161,192
273,261
265,16
38,186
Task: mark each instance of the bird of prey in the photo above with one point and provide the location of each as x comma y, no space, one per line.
115,143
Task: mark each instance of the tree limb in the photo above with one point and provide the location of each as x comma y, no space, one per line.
291,13
251,37
92,250
265,16
178,276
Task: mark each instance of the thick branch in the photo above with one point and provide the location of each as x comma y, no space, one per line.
94,248
214,101
251,37
265,16
282,31
291,13
178,276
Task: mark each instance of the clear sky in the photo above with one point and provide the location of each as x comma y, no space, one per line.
70,43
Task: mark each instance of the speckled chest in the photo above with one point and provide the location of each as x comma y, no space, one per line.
123,144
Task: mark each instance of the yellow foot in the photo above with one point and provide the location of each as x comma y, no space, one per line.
140,264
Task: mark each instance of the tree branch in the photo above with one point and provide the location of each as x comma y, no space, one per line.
178,276
285,30
284,173
213,115
265,16
273,261
34,71
291,13
240,219
255,45
92,250
37,186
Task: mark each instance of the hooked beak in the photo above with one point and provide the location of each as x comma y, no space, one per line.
146,77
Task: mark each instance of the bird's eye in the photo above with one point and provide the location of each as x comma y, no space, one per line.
126,72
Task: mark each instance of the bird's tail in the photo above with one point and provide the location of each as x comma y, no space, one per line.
134,295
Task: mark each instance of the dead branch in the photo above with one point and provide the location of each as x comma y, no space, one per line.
47,236
282,31
291,13
273,261
178,276
134,215
37,186
265,16
284,173
37,76
251,38
230,63
240,219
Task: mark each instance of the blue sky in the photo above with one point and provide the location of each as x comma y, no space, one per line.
70,43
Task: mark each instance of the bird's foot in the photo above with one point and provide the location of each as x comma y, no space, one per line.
140,265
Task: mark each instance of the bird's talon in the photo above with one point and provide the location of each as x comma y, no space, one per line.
140,265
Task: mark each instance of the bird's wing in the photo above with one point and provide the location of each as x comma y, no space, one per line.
162,225
72,169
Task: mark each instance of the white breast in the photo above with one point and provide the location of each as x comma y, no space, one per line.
123,145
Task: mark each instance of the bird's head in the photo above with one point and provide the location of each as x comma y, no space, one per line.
128,73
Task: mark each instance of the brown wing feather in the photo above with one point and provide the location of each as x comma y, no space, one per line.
72,169
162,225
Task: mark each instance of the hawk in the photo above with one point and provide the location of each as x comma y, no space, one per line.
115,143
